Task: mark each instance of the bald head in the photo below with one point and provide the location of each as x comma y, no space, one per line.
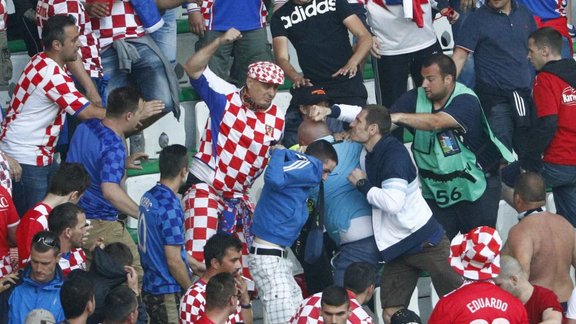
509,267
309,131
530,188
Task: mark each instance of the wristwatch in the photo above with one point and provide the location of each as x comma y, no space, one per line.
361,183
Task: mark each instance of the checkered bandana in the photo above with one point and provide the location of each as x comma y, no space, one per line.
266,72
476,255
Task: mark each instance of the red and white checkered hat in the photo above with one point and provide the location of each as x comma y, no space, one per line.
476,255
266,72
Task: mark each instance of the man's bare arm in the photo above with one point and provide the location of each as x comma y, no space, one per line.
363,46
197,63
280,46
459,57
551,316
176,266
120,199
77,69
92,111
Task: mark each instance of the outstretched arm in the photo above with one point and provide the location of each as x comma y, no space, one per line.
280,46
198,62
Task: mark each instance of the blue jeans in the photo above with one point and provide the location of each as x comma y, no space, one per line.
364,250
501,120
165,37
562,179
147,74
32,187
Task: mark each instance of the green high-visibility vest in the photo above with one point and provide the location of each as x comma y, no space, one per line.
448,170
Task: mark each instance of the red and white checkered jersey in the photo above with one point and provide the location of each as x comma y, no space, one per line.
193,304
90,46
41,99
35,220
309,312
75,259
122,23
9,219
239,152
3,15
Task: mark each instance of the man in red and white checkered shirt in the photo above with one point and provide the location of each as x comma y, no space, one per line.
359,281
243,125
90,66
222,253
68,221
42,97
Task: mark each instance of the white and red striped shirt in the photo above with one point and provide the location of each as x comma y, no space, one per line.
41,99
193,304
90,50
123,22
310,312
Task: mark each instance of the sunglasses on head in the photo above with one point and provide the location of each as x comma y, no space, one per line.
47,241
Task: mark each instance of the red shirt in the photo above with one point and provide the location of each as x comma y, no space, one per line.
8,219
541,299
35,220
553,96
479,302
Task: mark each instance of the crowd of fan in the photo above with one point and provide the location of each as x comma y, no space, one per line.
340,187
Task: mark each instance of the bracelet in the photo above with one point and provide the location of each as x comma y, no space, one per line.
247,306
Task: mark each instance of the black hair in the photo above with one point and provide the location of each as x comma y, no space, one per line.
219,290
322,150
122,100
172,159
45,241
444,62
359,276
54,29
217,245
119,303
335,296
120,252
76,292
549,37
63,216
69,177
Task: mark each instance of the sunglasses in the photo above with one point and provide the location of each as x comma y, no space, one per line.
47,241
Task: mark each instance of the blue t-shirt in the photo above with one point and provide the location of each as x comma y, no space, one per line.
161,223
500,45
103,154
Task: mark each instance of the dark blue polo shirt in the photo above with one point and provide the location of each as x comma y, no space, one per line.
500,45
